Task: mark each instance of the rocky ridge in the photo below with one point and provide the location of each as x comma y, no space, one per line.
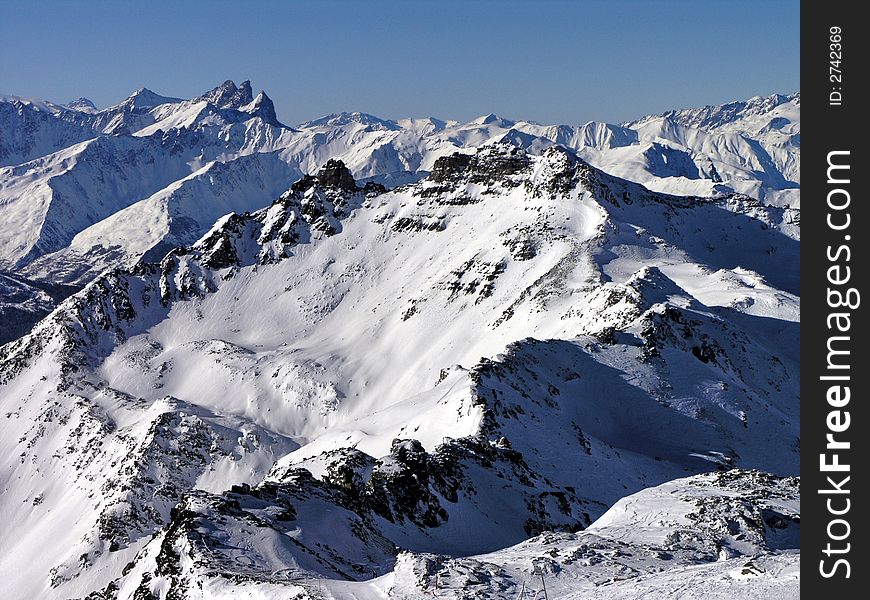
97,379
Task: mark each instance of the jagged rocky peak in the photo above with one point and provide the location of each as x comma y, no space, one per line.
228,95
712,117
491,163
555,171
263,107
244,91
562,170
763,104
502,162
314,205
335,175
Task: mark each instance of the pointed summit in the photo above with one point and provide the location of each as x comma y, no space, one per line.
334,174
244,92
263,107
493,119
145,98
227,95
81,105
221,93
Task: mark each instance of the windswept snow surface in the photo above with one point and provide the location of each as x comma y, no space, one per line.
359,393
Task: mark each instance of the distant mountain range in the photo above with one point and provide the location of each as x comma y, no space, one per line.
87,189
364,358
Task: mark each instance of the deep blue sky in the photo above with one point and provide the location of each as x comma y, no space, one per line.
550,61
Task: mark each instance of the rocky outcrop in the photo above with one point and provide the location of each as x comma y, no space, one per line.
227,95
177,386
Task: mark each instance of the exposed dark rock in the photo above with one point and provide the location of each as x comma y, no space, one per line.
404,224
372,189
227,95
335,175
488,165
448,168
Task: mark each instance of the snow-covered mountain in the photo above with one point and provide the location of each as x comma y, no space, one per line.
352,392
33,128
761,134
83,189
734,116
175,215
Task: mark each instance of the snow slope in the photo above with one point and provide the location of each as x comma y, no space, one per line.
46,202
504,348
34,128
731,534
753,150
758,139
176,215
70,169
23,302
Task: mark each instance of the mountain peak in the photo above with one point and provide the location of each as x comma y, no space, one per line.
336,179
335,174
492,119
712,117
488,164
228,88
348,118
81,105
145,98
244,88
228,95
261,106
333,383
